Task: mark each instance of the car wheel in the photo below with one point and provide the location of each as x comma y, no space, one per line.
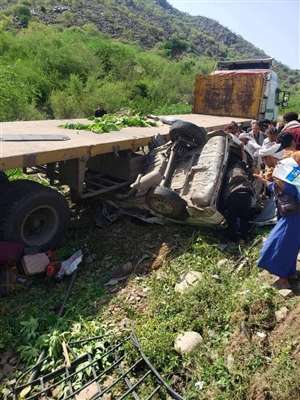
188,131
166,202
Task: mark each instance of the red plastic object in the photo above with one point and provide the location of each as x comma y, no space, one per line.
52,269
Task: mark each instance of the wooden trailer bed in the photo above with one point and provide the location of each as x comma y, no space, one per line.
82,144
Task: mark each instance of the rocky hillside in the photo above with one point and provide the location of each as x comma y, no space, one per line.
150,23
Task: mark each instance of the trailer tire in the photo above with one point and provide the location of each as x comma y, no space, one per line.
166,202
188,131
33,214
3,177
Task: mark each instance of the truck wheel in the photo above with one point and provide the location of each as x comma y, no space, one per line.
3,181
188,131
166,202
33,214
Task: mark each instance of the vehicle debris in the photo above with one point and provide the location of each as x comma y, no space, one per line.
69,266
103,370
35,263
109,212
183,180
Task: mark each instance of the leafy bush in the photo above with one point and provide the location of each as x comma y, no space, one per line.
23,14
175,47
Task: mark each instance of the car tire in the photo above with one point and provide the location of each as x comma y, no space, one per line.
166,202
33,214
188,131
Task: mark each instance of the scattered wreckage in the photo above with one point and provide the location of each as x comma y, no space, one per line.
90,165
195,178
190,179
187,179
95,368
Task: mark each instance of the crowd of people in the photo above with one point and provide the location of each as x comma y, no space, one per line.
275,147
269,139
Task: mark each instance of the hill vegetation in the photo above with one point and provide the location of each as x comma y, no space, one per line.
149,23
48,72
63,59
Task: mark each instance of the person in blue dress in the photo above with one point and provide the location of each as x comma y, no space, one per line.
279,252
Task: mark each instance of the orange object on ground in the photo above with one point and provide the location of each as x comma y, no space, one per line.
52,269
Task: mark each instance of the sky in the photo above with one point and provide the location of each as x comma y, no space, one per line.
271,25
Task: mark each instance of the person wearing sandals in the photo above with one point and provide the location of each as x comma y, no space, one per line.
280,250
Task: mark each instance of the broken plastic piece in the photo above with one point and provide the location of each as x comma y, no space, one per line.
70,265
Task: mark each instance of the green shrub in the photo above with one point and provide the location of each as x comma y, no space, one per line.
49,72
23,14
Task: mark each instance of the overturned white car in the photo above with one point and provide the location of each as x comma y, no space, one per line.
198,178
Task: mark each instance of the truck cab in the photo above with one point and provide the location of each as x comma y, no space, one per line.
245,89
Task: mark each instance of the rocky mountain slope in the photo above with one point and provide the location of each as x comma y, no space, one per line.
150,23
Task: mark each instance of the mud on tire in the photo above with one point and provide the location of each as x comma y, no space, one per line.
166,202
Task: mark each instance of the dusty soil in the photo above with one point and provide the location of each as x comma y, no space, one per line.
285,333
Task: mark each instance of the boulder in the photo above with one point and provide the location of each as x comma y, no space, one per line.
186,342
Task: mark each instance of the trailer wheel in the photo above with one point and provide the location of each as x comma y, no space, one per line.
3,179
166,202
33,214
188,131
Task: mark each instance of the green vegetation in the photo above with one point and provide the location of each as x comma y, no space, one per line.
109,123
232,311
46,72
152,24
294,102
60,71
23,15
68,68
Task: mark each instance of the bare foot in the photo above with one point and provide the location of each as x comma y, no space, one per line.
282,283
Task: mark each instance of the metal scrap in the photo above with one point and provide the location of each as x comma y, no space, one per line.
109,371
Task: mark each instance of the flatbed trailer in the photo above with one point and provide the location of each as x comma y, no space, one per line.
83,144
89,164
